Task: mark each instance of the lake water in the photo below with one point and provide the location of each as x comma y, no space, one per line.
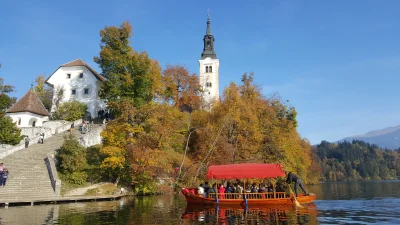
369,202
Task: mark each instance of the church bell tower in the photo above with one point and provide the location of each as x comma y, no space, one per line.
209,65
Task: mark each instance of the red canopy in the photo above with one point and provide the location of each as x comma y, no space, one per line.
246,170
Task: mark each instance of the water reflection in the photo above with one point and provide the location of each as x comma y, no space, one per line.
337,203
255,215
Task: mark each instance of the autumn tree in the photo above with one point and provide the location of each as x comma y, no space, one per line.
245,126
131,75
118,136
181,89
44,92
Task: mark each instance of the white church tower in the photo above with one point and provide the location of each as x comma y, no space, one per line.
209,65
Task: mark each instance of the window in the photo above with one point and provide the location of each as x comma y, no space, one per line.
73,92
81,75
208,84
86,91
68,76
210,69
19,121
34,123
206,69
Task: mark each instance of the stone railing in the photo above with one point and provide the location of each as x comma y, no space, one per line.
49,129
59,126
6,150
51,167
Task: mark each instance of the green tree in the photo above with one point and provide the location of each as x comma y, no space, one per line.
131,76
9,132
72,155
5,100
44,92
70,111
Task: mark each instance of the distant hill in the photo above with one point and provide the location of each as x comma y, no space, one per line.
384,138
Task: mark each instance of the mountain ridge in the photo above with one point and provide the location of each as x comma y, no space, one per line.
388,137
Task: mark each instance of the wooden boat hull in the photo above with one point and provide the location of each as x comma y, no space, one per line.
200,200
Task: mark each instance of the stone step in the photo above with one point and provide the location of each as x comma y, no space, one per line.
29,177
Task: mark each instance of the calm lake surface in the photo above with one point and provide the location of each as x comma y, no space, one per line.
369,202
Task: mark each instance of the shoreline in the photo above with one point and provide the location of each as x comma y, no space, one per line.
59,200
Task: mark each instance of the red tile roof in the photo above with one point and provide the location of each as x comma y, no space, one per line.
79,62
29,103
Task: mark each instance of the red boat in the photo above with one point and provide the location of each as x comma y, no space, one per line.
245,171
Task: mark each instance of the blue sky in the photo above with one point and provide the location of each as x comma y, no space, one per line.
338,62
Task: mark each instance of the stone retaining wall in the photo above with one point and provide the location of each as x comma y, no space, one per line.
93,137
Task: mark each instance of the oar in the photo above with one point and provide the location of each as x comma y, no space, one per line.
295,198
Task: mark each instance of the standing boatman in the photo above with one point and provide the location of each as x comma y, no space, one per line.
291,177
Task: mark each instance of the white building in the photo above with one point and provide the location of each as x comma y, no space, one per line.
78,81
28,111
209,66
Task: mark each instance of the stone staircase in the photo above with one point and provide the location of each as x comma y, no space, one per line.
28,175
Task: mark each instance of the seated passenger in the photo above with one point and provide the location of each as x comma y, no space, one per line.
280,188
211,191
262,189
221,191
270,188
206,187
200,190
254,188
239,190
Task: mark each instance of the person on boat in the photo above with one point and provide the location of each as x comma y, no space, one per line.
239,190
270,188
200,190
254,188
221,191
206,186
211,191
262,190
229,188
291,177
280,188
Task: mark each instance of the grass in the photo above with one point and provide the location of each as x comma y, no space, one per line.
66,187
104,190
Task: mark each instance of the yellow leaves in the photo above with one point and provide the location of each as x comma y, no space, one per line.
115,157
119,133
112,151
113,162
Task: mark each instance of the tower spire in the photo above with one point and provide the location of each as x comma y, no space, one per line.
208,50
208,32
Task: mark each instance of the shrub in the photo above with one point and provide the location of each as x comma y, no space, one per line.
70,111
78,178
71,156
